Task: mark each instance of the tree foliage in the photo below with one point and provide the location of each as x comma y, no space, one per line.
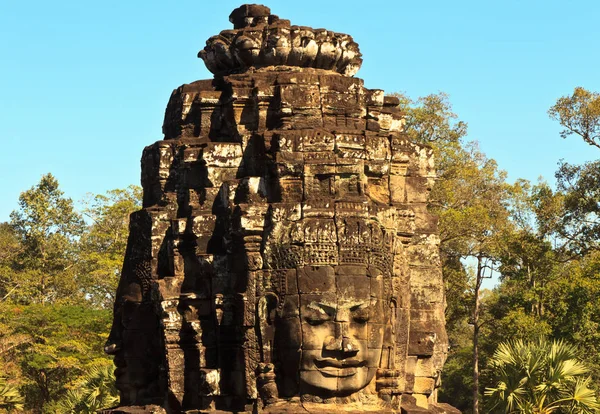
64,341
47,227
58,273
102,246
578,187
10,249
471,199
579,114
540,241
430,120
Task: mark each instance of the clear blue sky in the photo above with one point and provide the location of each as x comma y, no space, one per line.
84,84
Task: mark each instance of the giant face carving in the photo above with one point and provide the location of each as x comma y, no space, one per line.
333,331
133,340
133,344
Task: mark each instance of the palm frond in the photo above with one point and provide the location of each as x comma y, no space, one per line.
10,397
540,377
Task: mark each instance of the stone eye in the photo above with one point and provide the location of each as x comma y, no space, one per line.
315,321
316,317
360,315
361,319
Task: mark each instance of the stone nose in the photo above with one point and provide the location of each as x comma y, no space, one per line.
333,343
349,346
342,315
341,341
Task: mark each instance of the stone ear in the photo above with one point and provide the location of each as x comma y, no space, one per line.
390,332
133,293
393,310
267,308
266,312
265,373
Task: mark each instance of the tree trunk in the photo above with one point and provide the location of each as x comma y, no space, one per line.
479,279
541,299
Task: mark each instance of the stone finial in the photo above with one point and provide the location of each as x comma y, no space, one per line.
260,39
249,15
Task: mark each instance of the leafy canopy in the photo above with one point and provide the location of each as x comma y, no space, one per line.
579,114
47,227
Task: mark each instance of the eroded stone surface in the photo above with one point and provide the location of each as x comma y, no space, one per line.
284,260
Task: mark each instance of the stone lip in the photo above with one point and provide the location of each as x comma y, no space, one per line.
261,39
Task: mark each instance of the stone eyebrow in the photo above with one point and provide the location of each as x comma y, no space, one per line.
319,306
360,306
331,309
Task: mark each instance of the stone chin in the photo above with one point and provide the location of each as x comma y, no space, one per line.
336,382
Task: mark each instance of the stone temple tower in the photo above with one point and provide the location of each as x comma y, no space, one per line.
284,260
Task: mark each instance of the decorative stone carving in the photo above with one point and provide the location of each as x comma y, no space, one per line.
260,39
284,260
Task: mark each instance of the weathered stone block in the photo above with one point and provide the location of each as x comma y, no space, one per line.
316,279
426,368
424,385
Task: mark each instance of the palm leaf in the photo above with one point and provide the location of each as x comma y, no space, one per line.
540,377
10,397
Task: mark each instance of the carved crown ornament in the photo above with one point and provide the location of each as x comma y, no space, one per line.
261,39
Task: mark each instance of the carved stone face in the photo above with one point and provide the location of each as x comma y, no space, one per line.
131,342
333,330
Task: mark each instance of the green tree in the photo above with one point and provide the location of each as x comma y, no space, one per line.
549,287
540,377
10,249
573,311
539,240
471,199
11,345
102,247
64,342
57,277
48,227
579,114
528,263
571,215
579,224
430,120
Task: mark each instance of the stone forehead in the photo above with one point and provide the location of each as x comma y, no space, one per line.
333,284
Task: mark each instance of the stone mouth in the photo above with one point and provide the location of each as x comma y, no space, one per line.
339,363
